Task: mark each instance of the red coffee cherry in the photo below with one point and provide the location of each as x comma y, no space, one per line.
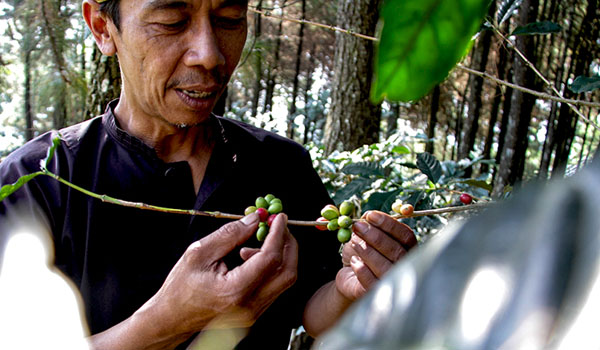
466,198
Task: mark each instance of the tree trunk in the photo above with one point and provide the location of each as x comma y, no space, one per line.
352,120
257,62
432,123
479,62
513,156
273,68
28,110
105,85
292,109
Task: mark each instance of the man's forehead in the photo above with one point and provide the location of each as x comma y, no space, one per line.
153,4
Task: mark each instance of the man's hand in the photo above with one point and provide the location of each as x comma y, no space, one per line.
201,291
377,243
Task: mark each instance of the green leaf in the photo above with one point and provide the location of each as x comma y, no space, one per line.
429,166
401,150
381,201
9,189
477,183
364,169
421,41
357,186
585,84
545,27
51,151
409,165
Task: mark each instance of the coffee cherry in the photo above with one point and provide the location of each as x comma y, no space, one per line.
407,209
261,202
251,209
344,221
330,212
270,219
263,214
347,208
269,198
344,235
275,207
262,231
275,200
466,198
396,207
322,227
333,225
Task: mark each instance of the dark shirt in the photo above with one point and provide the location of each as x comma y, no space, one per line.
119,257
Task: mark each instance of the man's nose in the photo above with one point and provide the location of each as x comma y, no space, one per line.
203,48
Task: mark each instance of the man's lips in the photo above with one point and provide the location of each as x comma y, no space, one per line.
192,93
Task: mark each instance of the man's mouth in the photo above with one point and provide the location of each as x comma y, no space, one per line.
197,94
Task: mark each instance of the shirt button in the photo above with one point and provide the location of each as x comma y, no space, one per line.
170,172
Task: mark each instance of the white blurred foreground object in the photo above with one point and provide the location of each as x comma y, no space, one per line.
39,308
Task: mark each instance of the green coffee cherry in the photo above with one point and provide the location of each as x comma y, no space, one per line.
269,197
330,212
347,208
261,202
275,207
344,221
275,200
251,209
343,235
263,230
333,225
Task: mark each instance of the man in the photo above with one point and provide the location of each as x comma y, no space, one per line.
153,280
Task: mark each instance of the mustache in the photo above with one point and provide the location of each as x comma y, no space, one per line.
199,78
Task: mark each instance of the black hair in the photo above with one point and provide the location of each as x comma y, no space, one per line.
111,9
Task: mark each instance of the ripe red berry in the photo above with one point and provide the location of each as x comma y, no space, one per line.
322,227
263,214
407,209
270,219
466,198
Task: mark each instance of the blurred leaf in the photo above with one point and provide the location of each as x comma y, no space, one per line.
381,201
9,189
421,41
356,186
477,183
401,150
364,169
51,151
429,166
409,165
506,9
415,198
585,84
545,27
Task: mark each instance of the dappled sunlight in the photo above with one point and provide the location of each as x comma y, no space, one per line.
40,309
485,295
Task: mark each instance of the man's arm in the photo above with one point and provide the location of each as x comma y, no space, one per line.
201,292
377,243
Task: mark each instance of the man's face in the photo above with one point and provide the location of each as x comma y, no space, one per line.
177,56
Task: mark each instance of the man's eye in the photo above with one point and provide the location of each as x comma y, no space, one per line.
173,26
229,23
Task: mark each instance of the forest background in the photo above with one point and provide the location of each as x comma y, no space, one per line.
521,105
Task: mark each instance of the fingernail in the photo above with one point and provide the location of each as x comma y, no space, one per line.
354,260
375,217
358,241
249,219
361,226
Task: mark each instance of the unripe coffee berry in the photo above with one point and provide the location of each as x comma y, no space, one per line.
251,209
344,235
269,197
261,202
330,212
333,225
275,208
347,208
322,227
344,221
262,231
396,206
466,198
407,209
263,214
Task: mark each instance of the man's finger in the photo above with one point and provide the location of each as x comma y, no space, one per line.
401,232
219,243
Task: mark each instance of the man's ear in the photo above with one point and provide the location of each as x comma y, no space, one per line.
99,26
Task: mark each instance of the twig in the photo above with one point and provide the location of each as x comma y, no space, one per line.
316,24
541,76
541,95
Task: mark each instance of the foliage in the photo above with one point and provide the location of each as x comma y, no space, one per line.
585,84
374,176
420,47
545,27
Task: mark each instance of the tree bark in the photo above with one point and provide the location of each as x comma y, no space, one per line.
257,62
513,156
105,85
352,120
273,68
28,110
432,123
292,109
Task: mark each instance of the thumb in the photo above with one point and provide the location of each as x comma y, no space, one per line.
221,242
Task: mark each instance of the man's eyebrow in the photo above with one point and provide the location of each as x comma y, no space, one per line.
165,5
227,3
